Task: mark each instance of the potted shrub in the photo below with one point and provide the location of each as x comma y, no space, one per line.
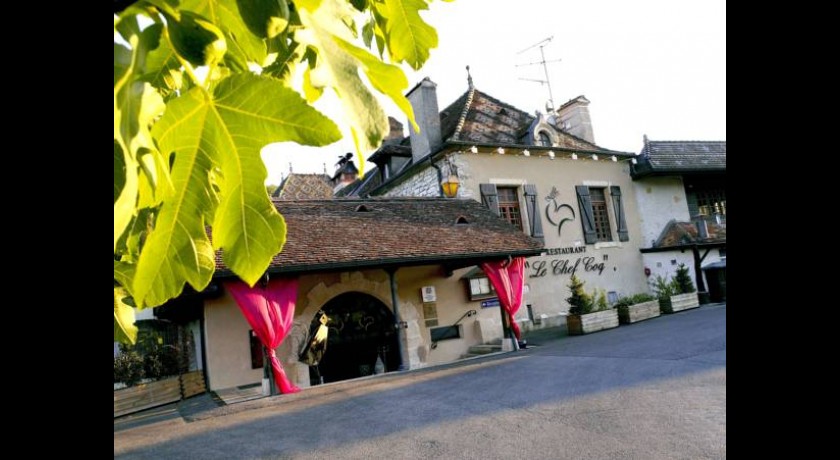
588,312
636,308
677,295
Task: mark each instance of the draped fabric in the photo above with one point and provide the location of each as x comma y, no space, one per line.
508,278
270,311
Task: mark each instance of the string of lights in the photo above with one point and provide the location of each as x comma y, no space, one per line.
551,155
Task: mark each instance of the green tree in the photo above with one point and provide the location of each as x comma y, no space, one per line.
198,93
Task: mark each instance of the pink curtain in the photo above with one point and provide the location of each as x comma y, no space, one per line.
508,278
270,311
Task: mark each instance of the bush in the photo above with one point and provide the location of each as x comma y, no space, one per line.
601,304
663,288
128,368
161,361
633,300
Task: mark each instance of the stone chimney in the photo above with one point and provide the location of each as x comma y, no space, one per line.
423,98
574,118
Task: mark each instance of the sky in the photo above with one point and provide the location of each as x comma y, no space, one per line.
655,67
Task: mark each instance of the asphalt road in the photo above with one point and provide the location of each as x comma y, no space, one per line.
651,390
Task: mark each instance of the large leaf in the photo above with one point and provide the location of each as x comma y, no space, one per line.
225,14
124,329
338,67
256,111
218,137
162,69
136,105
409,37
125,191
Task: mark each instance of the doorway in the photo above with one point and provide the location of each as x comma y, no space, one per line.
361,328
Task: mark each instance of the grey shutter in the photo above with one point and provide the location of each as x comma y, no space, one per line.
587,217
533,212
618,207
490,197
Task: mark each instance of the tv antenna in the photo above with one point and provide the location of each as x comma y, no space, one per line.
541,44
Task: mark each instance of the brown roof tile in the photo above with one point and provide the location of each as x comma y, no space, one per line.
337,234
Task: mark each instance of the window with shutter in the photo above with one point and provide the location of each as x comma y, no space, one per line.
587,218
618,207
534,218
489,197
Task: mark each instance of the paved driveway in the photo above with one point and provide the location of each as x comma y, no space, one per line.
655,389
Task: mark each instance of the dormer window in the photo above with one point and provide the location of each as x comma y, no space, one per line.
543,139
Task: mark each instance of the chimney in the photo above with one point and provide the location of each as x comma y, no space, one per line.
396,133
574,118
346,172
423,98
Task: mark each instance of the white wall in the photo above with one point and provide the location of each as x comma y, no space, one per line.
660,200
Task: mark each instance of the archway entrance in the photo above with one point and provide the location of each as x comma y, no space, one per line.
361,328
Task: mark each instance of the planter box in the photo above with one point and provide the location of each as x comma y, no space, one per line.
679,302
638,312
592,322
146,395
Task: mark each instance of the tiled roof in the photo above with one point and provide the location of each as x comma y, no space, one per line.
676,234
681,157
338,234
304,187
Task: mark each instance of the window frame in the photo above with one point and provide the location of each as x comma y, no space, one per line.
510,205
601,215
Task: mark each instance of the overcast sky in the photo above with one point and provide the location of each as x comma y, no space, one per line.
655,67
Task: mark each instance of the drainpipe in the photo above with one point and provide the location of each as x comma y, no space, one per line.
399,326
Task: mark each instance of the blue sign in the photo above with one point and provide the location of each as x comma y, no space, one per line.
490,303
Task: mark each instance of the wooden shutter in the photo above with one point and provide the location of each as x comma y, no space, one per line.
618,207
490,197
587,217
533,213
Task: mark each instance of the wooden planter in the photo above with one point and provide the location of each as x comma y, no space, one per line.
592,322
679,302
152,394
638,312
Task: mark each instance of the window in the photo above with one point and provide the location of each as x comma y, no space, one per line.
504,202
509,206
543,139
599,213
595,219
445,333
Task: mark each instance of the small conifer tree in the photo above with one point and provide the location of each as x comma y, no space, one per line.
580,301
683,280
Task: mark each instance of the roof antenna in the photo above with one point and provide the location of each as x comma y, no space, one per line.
290,168
469,78
549,107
